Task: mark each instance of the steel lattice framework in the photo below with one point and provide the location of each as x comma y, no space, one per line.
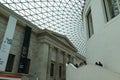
62,16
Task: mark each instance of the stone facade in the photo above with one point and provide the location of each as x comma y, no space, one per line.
46,48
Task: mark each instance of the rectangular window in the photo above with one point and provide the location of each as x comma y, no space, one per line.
10,63
111,8
90,24
52,70
24,65
60,71
119,4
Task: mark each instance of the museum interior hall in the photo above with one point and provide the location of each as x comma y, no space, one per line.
59,39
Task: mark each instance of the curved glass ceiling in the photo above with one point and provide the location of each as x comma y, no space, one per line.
62,16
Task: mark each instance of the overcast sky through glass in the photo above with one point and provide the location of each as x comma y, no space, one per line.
62,16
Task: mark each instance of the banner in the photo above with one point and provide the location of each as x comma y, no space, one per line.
24,62
7,41
26,42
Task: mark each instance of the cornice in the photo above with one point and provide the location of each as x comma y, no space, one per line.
54,38
20,20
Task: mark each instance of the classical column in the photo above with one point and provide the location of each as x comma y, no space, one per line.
49,62
64,65
72,60
57,65
69,56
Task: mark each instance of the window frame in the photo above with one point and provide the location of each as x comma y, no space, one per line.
89,22
109,11
60,70
52,69
9,66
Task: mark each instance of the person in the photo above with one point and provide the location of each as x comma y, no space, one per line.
85,62
96,63
76,65
100,64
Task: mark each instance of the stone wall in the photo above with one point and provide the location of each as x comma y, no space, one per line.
43,50
3,24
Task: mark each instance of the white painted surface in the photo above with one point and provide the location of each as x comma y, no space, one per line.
90,72
7,41
104,45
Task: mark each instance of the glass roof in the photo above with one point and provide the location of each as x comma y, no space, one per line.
62,16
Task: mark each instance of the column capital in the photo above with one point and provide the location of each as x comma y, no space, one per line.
51,46
64,53
57,51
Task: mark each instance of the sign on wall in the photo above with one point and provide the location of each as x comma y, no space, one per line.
7,41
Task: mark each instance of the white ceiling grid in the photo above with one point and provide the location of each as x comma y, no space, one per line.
62,16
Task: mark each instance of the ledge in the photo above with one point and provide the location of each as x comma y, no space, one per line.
17,74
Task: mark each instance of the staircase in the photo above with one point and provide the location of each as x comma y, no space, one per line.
90,72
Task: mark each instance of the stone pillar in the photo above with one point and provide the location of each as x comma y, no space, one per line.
64,65
49,62
42,62
57,65
72,60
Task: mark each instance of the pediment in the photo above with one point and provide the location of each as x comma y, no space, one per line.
59,37
64,39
